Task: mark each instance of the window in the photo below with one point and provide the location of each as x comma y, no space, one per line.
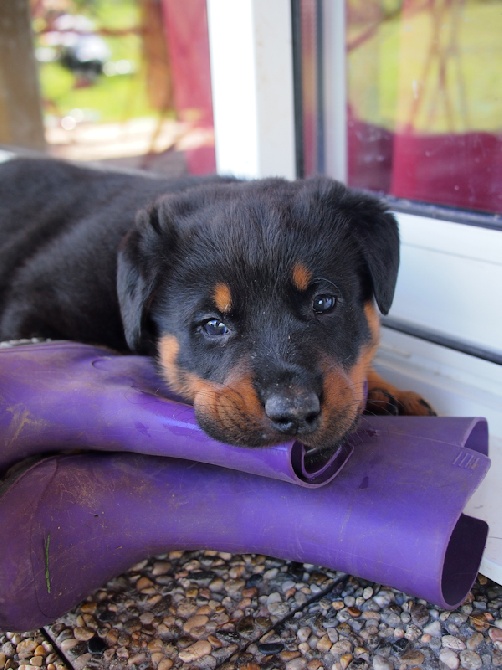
424,101
126,83
400,98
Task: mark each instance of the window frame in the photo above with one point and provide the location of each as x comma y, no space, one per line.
457,380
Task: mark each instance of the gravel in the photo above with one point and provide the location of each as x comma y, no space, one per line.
208,610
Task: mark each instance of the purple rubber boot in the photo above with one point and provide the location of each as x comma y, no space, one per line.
62,396
392,515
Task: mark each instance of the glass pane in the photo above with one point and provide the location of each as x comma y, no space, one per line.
126,82
425,100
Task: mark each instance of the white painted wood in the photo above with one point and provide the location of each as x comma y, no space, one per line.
252,81
456,385
5,156
451,280
486,504
335,89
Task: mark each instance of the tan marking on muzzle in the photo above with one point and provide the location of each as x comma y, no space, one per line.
183,382
229,411
343,390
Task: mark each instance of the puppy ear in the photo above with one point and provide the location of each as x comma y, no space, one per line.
370,226
378,240
141,254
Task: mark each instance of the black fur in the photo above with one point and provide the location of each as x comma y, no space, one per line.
61,227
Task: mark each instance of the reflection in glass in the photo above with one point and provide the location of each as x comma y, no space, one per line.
425,100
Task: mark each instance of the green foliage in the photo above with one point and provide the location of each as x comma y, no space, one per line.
110,98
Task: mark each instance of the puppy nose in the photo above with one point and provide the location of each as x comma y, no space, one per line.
293,414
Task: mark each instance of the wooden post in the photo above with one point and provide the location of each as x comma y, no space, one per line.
20,106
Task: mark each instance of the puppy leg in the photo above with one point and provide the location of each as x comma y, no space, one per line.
384,398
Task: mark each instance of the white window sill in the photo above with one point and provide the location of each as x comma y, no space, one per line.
456,385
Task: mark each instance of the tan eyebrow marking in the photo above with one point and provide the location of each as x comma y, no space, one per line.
222,297
301,276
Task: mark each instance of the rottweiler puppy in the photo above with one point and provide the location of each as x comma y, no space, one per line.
259,300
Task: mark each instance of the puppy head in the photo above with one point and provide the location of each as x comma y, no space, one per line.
258,300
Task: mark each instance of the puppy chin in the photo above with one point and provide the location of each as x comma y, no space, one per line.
240,435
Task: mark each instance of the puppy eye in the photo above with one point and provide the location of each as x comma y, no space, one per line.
324,303
214,328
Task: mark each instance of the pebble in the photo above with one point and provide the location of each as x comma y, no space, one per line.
217,585
479,621
270,648
449,658
83,633
419,614
474,641
470,660
398,634
68,644
433,629
161,568
203,610
195,651
324,644
89,607
96,645
234,586
25,648
391,618
144,584
381,663
273,598
451,642
301,598
304,633
195,622
279,610
345,660
296,664
341,647
412,657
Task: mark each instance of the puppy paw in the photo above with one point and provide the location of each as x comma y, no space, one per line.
412,404
386,399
